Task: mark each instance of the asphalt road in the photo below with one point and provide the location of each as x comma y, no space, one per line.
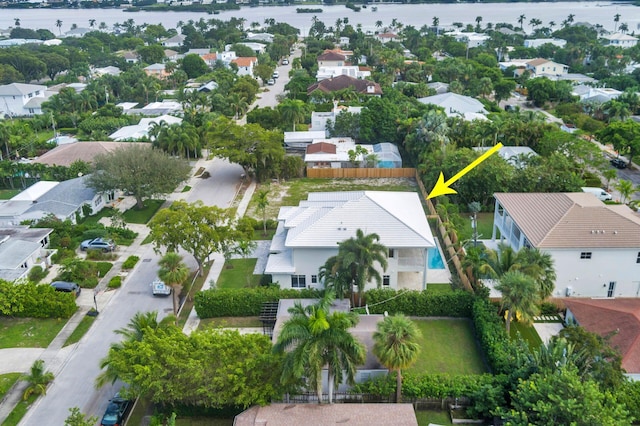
74,384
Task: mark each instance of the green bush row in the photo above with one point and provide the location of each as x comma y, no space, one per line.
32,300
243,303
420,303
130,262
115,282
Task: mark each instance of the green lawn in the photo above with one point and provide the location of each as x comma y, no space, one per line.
28,332
80,330
439,288
133,215
259,235
230,322
448,346
485,226
147,240
528,333
186,188
6,194
435,417
240,275
19,411
93,219
6,381
191,290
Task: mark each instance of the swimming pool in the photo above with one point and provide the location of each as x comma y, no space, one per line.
434,259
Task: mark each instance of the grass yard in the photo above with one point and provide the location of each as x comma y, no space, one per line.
439,288
19,411
528,333
133,215
240,276
147,240
6,381
485,226
28,332
259,235
426,417
197,285
6,194
93,219
186,188
448,346
80,330
230,322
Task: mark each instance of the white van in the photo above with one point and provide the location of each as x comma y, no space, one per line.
598,192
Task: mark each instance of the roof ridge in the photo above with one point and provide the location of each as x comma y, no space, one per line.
550,231
396,217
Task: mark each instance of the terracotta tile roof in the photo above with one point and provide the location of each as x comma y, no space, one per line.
344,82
325,147
387,35
607,316
211,57
245,61
168,53
330,55
571,220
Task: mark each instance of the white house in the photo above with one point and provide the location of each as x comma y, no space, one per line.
141,130
537,42
307,235
22,248
331,58
352,71
334,153
175,41
595,247
620,40
511,154
18,99
302,139
595,94
320,119
543,67
471,39
245,65
457,105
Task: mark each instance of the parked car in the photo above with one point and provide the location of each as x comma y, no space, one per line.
67,287
116,412
98,244
271,82
618,163
285,62
275,75
159,288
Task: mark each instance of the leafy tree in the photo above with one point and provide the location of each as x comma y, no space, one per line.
269,118
502,89
313,338
55,63
293,111
623,135
76,418
519,294
396,346
194,66
151,54
140,170
37,380
173,272
9,74
198,229
263,71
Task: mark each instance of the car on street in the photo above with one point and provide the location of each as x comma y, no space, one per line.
67,287
618,163
271,82
159,288
285,62
275,75
116,412
98,244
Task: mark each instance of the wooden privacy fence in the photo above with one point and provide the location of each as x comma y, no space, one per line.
356,173
453,256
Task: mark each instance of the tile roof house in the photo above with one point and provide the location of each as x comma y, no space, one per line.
543,67
307,235
131,57
22,248
61,199
618,318
65,155
331,58
620,40
342,82
18,99
329,414
170,55
245,65
387,37
334,153
457,105
157,71
595,246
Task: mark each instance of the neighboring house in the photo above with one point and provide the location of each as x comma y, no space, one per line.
22,248
62,199
352,71
170,55
543,67
595,94
595,247
264,37
245,65
341,82
576,78
175,41
387,37
210,59
18,42
110,70
331,58
164,107
457,105
334,153
329,415
319,120
620,40
617,319
65,155
256,47
157,71
78,32
18,99
537,42
471,39
141,130
208,87
298,140
307,235
512,154
439,87
131,57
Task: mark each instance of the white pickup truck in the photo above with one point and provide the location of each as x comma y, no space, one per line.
159,288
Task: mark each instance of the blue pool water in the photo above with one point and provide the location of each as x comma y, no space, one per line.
434,259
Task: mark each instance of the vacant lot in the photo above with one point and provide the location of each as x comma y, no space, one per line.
28,332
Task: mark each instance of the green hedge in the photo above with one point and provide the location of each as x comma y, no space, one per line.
130,262
30,300
243,303
420,303
115,282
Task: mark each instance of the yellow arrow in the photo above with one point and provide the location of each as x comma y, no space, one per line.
443,188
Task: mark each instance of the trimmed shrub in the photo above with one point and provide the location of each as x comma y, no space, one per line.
98,254
243,303
63,254
37,273
90,234
420,303
30,300
115,282
130,262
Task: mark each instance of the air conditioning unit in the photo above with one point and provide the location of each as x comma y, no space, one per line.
569,291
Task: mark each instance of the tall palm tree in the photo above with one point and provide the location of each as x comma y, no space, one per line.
173,272
263,202
539,266
521,19
38,379
334,276
626,189
616,19
59,25
292,110
313,338
92,23
520,294
395,344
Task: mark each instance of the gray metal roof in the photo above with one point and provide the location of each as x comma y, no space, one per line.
20,89
65,198
14,253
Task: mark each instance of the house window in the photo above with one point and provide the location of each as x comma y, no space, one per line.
638,258
32,111
314,279
386,280
611,289
392,253
585,255
298,281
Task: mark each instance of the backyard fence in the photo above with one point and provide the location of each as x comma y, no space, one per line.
366,398
356,173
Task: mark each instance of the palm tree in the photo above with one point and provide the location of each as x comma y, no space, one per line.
624,27
313,338
478,20
92,23
521,19
263,203
570,18
292,110
396,346
616,19
335,277
59,25
174,272
626,189
617,110
38,380
359,255
539,266
16,22
520,294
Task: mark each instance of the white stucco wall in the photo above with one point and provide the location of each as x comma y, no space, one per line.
591,277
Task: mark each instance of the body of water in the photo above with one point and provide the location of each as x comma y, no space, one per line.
416,15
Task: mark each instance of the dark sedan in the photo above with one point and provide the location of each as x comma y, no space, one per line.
618,163
116,412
